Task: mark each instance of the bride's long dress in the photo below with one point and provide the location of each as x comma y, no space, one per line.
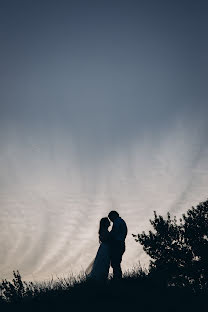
99,267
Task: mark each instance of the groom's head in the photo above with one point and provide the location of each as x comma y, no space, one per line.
113,215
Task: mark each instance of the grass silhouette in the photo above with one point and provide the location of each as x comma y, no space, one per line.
137,290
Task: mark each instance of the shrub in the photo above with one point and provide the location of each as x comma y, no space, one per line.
179,250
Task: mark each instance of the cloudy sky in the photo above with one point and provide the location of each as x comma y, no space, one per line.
103,105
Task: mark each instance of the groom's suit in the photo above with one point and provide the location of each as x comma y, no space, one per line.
118,236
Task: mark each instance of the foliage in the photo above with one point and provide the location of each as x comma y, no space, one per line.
179,250
15,290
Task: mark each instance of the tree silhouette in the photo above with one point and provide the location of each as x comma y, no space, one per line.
179,250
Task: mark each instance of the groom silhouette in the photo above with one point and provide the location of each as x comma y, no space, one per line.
117,242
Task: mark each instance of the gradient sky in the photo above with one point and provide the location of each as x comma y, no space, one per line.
103,105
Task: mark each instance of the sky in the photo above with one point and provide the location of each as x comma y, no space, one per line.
103,106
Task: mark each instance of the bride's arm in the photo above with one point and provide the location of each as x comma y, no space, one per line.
104,238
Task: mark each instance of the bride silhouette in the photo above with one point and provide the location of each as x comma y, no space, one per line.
99,267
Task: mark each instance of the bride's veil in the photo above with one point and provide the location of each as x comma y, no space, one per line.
89,268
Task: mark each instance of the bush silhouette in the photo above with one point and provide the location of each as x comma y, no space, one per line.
16,290
179,250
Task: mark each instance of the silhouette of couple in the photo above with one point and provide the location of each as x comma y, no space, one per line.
111,249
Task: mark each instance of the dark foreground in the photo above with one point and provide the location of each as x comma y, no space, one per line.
135,292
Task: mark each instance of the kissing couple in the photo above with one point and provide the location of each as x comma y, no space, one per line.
111,249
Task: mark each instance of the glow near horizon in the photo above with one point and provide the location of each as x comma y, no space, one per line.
52,219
